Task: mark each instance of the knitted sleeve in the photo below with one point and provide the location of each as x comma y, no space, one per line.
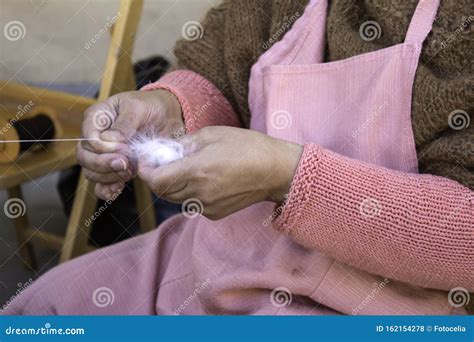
209,55
232,36
201,102
415,228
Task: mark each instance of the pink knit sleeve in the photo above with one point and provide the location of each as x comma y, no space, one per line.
201,102
415,228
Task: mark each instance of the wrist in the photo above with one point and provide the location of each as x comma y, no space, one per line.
174,113
288,157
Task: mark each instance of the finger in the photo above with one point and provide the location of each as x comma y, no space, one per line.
107,178
181,195
104,163
126,124
102,191
121,131
193,142
107,191
198,140
97,119
166,179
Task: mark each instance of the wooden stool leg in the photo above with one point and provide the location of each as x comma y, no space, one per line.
77,232
118,76
144,205
25,248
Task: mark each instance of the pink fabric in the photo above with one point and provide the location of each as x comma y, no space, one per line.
146,275
418,229
202,103
241,264
359,107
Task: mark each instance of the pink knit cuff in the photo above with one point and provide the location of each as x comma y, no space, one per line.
415,228
201,102
298,195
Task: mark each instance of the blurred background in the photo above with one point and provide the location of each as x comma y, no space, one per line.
57,31
60,50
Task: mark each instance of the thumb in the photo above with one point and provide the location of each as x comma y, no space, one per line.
121,130
191,143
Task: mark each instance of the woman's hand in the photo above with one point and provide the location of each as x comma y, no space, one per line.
114,122
227,169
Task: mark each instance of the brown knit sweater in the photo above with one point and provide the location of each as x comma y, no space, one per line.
237,32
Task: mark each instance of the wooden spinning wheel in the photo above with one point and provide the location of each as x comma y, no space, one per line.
118,76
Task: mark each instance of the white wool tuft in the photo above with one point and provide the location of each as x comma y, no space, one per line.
156,151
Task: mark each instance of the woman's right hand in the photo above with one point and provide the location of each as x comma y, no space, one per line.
112,123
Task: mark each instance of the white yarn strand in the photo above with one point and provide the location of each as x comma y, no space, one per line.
153,150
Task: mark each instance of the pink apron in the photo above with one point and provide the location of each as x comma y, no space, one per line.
359,107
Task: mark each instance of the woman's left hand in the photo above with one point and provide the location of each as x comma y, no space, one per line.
227,169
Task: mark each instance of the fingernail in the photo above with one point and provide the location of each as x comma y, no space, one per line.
118,165
116,187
